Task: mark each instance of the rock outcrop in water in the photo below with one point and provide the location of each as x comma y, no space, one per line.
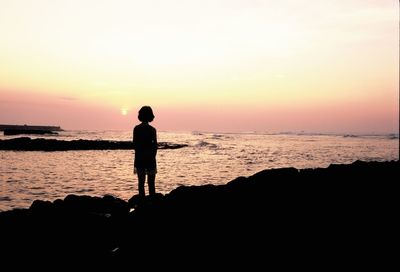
28,144
25,129
9,132
334,217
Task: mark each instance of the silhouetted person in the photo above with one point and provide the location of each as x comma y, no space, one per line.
145,145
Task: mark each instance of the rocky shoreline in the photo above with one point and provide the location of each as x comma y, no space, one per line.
28,144
287,216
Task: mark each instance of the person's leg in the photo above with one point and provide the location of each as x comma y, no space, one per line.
141,179
151,182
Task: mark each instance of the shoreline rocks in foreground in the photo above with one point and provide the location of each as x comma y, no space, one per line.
28,144
332,217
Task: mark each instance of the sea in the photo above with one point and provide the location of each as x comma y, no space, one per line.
209,158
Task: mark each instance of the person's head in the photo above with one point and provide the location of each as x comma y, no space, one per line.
146,114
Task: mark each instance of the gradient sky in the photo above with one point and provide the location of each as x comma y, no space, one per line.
210,65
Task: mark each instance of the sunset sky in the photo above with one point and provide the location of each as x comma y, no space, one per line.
209,65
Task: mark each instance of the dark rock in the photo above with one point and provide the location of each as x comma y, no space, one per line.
9,132
41,206
286,217
88,204
28,144
139,201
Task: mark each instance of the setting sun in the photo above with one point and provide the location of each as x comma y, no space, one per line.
124,111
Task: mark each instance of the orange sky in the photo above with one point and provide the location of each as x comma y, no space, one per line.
211,65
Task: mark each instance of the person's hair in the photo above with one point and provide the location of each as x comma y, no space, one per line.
146,114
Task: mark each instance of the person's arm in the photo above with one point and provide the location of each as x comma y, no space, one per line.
133,138
155,144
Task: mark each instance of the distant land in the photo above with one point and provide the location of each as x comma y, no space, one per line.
25,129
29,127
